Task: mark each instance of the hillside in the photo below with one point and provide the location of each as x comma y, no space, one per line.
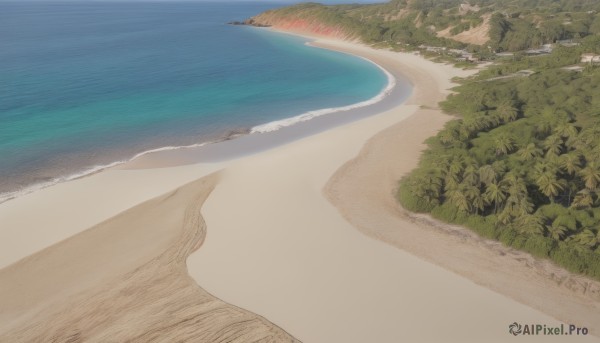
311,18
479,25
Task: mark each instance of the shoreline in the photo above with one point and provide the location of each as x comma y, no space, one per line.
205,157
281,232
274,244
148,159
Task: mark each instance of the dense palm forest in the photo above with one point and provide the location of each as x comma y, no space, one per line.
522,164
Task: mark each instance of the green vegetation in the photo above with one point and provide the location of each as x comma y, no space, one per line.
522,164
511,25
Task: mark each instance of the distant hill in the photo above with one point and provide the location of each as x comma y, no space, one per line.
496,25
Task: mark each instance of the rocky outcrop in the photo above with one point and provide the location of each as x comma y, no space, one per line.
302,23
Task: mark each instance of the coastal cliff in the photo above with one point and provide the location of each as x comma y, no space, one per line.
478,26
312,19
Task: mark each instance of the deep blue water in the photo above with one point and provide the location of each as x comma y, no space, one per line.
84,84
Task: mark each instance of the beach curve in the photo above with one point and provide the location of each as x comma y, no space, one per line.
308,270
139,159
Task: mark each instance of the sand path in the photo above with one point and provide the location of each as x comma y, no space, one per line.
276,246
126,280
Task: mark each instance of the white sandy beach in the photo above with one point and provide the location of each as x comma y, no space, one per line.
275,245
308,270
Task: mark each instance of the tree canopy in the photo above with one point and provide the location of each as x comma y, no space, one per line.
522,162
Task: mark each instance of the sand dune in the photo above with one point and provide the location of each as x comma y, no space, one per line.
126,280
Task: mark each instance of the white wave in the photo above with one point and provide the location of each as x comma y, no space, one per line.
268,127
29,189
167,148
278,124
86,172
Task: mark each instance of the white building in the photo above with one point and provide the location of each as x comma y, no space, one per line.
590,58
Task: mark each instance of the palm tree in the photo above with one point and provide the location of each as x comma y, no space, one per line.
474,124
587,137
456,167
448,136
478,202
451,181
495,193
583,199
428,186
553,145
507,111
492,121
504,144
458,198
517,202
530,223
549,185
516,185
474,102
557,231
587,238
471,175
590,175
529,152
571,186
543,128
566,130
545,167
518,205
487,174
576,143
505,217
432,176
470,191
570,162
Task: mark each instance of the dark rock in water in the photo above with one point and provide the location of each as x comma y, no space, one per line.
252,22
249,22
231,134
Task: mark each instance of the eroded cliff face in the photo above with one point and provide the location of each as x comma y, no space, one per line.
295,24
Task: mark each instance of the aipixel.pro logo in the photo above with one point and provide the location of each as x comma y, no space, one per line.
516,329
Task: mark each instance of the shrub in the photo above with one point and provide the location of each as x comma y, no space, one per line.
445,212
482,226
519,242
568,258
539,246
410,201
507,237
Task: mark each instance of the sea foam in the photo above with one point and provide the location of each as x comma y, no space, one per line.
86,172
264,128
279,124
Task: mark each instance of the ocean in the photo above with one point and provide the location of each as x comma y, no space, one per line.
85,85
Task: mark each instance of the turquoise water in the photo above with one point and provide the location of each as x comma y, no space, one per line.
87,84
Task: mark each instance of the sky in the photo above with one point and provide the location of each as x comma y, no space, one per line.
331,1
327,2
279,1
